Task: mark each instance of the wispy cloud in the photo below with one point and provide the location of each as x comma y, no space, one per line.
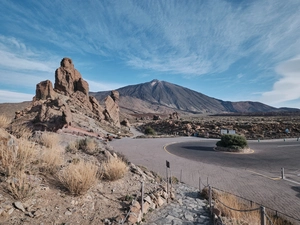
287,87
96,86
14,96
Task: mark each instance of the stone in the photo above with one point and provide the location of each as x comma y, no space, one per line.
111,112
68,80
19,206
148,199
146,207
160,201
44,90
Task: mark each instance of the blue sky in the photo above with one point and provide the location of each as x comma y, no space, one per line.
231,50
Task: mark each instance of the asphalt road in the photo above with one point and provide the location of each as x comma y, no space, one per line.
268,157
254,176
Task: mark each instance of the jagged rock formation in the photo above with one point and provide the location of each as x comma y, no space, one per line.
44,90
69,103
111,111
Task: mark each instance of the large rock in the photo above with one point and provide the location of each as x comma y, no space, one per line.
112,110
44,90
68,80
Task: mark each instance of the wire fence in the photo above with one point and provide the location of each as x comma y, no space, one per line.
268,216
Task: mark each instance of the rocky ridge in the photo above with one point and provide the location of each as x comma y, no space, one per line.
251,127
69,104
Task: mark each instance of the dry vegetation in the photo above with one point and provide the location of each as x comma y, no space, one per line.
4,121
27,161
242,213
79,177
113,169
49,140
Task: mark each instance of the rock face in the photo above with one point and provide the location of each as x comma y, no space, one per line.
68,80
44,90
69,103
112,110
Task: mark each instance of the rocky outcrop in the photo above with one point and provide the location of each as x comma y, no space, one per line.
44,90
112,110
174,116
68,80
69,104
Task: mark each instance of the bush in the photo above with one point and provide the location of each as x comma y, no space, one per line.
4,121
113,169
79,178
20,187
52,159
88,145
232,141
149,131
49,139
15,158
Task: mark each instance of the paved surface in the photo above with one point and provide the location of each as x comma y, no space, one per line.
188,210
277,194
267,158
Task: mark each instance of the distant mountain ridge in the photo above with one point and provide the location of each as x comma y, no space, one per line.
164,97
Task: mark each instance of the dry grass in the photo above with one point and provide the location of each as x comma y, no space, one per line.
16,158
52,159
79,178
21,131
4,121
237,217
114,169
20,187
50,140
73,147
232,201
88,145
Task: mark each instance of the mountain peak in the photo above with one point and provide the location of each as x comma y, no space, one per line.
154,82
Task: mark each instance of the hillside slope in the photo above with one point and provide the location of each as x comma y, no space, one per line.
164,97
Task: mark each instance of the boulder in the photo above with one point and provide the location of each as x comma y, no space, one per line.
44,90
112,110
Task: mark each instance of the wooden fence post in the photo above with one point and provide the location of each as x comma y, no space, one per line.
142,200
262,216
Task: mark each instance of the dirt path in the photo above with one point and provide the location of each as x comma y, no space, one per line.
276,194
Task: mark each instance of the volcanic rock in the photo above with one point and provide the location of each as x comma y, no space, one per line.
44,90
69,104
68,80
111,111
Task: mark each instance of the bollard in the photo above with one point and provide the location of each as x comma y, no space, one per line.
283,139
282,173
210,198
142,197
298,139
262,216
199,184
258,140
180,176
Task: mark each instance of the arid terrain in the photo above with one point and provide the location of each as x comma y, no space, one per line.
57,165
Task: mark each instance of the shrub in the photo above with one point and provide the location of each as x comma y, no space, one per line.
232,141
52,159
149,131
21,131
16,157
20,187
4,121
73,147
79,178
49,139
88,145
114,169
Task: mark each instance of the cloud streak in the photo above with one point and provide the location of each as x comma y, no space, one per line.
287,87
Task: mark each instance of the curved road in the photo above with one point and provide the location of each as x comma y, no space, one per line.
250,177
268,157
